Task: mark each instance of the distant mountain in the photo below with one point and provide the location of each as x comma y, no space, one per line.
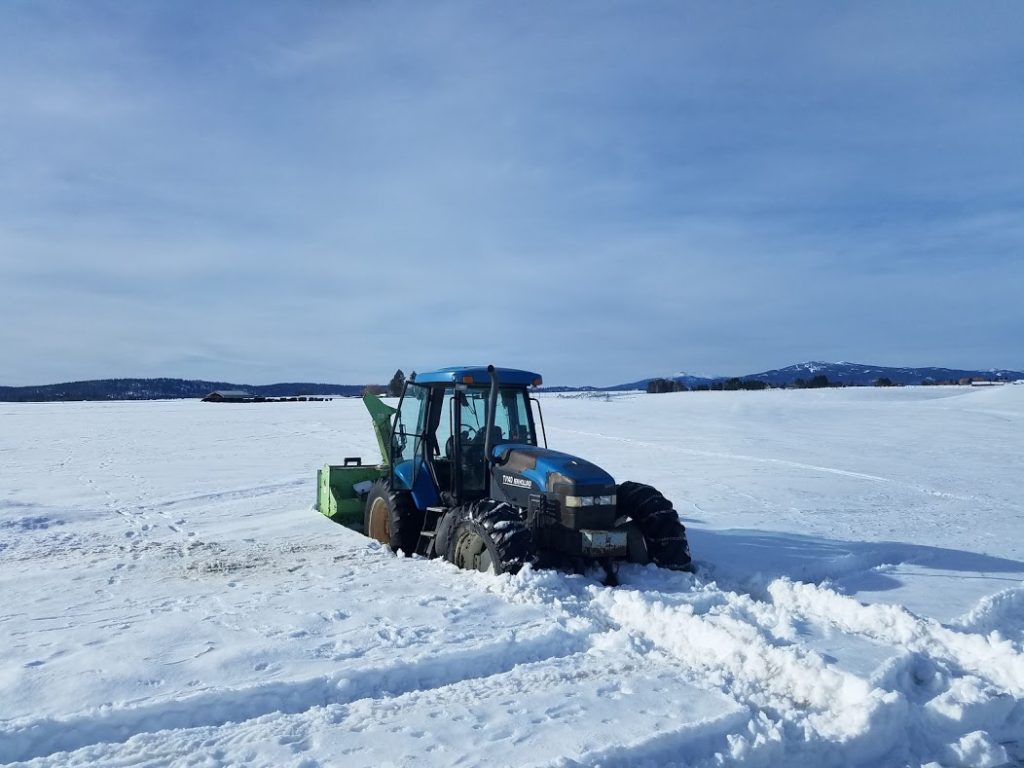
162,389
859,374
850,374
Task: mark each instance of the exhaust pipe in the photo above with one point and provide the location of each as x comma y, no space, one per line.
492,405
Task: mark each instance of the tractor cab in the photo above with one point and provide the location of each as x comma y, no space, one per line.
449,422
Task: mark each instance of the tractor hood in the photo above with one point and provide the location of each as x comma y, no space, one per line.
550,471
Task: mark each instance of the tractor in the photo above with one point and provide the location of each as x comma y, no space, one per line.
464,477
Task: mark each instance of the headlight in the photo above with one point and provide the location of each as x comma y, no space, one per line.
589,501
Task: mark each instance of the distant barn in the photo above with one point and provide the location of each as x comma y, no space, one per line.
241,396
229,396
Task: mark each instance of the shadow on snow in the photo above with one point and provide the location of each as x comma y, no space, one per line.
756,556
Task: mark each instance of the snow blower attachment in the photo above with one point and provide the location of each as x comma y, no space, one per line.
342,489
463,477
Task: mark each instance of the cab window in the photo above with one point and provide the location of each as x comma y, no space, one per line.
408,430
511,415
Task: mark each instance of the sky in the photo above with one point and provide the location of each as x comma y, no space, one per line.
327,191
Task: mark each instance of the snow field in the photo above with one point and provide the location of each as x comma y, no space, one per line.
172,599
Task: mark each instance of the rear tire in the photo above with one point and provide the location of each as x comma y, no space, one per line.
391,518
487,536
659,523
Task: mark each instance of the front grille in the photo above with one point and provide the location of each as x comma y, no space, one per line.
597,518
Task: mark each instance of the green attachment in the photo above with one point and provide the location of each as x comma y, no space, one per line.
381,413
337,497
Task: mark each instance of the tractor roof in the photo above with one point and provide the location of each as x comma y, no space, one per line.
477,375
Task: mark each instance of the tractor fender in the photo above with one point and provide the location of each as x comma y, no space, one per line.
417,479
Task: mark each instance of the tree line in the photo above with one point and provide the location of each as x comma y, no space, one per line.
821,381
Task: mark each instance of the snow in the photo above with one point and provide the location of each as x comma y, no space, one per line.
171,597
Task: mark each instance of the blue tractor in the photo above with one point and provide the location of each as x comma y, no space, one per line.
465,478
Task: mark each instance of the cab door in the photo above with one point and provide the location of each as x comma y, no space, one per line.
408,442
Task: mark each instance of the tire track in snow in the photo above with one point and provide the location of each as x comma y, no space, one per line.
144,532
775,462
41,738
235,494
637,703
760,743
642,709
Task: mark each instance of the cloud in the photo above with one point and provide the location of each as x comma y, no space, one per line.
599,193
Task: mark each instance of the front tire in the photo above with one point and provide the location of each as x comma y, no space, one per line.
664,535
391,518
488,536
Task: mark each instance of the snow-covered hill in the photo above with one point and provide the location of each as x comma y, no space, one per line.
163,389
689,379
859,374
850,374
170,596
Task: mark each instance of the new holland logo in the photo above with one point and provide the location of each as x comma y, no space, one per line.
518,482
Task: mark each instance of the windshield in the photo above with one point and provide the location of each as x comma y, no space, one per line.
511,415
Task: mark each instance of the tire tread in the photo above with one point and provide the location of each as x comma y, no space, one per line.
663,532
499,522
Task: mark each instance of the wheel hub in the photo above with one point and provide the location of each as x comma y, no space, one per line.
380,525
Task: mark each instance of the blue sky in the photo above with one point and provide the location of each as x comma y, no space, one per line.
258,192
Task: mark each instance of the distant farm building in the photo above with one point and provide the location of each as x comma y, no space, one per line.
229,396
240,396
978,381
